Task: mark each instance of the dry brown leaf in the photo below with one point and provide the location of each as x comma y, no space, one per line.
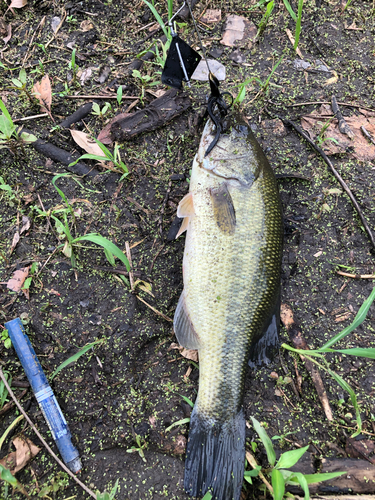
17,4
25,224
211,16
332,80
43,92
87,143
18,279
186,353
238,31
17,460
16,239
86,25
359,147
9,33
293,41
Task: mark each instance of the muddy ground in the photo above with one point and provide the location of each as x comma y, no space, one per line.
131,384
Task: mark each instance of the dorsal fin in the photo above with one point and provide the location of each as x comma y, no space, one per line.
224,213
183,326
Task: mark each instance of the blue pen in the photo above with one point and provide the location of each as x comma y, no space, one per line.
44,394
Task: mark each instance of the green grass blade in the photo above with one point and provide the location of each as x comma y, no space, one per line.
265,440
6,476
207,496
360,317
5,111
290,458
318,478
273,71
290,10
105,150
303,483
298,24
353,398
187,400
9,428
358,351
157,17
278,484
89,157
74,358
179,422
103,242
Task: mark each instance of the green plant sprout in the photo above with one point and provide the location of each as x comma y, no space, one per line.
368,352
115,158
4,338
119,95
20,83
142,82
279,470
263,85
107,496
265,18
75,357
58,483
9,135
139,448
70,243
101,112
73,66
321,137
9,428
8,478
296,18
3,389
151,6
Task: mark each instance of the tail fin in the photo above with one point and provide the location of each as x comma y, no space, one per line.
215,457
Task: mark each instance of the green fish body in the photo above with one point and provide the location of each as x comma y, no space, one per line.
229,307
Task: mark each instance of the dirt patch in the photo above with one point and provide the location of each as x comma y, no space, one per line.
132,383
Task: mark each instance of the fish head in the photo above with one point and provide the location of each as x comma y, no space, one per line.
237,157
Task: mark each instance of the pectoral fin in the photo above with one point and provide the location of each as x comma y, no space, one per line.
224,213
183,227
183,326
186,207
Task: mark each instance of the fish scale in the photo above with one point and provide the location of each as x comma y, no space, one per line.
231,270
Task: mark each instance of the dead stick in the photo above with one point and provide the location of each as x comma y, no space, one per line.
365,133
286,316
335,173
358,276
254,464
62,465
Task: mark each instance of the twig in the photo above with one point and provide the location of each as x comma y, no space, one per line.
129,256
343,126
254,465
325,102
25,118
357,276
32,40
62,465
155,310
154,259
299,342
98,97
335,173
48,217
365,133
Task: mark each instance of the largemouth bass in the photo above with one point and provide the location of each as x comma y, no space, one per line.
229,307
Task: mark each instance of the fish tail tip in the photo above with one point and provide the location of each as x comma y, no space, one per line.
215,457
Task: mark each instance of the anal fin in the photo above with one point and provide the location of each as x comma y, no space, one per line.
263,350
183,326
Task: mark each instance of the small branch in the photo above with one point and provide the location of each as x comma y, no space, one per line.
367,135
62,465
26,118
335,173
299,342
254,465
357,276
98,97
129,256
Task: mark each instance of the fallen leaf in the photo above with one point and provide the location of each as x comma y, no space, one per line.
359,147
43,93
25,224
16,239
9,34
28,198
87,143
105,134
85,75
318,254
55,22
17,4
189,354
211,16
332,80
238,31
17,460
18,279
86,25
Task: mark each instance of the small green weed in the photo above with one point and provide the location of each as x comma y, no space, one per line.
265,18
20,84
115,158
278,472
58,483
356,351
297,19
8,378
75,357
9,479
142,82
4,338
9,135
101,112
139,448
73,66
107,496
119,94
